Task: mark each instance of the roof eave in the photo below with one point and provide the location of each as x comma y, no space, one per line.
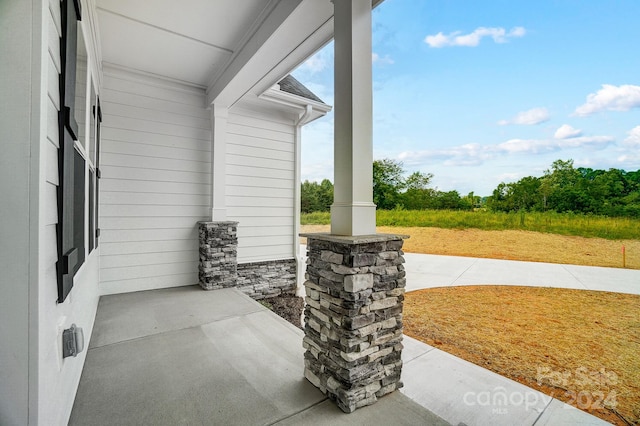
295,102
263,62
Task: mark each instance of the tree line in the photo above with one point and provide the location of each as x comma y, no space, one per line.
392,189
562,188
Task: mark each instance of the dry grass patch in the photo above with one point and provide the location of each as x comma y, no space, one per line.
582,347
513,245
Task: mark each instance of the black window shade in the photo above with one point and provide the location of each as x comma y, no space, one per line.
70,228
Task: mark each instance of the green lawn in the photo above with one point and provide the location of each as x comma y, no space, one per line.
613,228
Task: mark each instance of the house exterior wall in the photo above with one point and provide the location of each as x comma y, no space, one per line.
260,181
37,386
17,33
156,182
58,378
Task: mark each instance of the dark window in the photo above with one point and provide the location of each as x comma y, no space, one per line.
96,228
71,165
78,207
92,210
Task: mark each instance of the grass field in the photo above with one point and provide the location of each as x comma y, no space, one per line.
612,228
513,245
579,346
575,345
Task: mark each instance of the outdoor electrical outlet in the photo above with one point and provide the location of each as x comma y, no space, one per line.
72,341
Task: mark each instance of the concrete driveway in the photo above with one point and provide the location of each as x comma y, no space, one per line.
428,271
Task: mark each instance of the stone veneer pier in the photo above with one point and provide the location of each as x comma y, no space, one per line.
218,266
353,316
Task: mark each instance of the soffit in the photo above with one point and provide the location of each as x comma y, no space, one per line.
228,47
188,40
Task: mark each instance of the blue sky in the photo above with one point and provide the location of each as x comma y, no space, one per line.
483,92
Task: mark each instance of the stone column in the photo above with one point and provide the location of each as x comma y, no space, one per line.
353,316
218,254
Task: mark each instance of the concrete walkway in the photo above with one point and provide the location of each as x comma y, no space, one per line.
427,271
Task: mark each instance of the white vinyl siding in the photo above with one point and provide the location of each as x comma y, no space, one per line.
156,182
260,183
58,378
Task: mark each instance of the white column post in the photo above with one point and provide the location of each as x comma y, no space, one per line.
219,117
353,211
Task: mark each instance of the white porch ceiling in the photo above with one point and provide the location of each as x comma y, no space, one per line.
228,47
186,40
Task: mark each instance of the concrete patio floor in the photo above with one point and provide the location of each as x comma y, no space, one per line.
186,356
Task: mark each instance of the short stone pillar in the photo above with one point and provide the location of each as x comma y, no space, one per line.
353,316
218,254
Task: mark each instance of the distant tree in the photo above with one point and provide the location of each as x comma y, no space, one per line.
316,197
388,183
325,195
564,188
565,195
498,199
308,197
472,201
418,195
451,201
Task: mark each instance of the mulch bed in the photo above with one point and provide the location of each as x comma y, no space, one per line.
288,306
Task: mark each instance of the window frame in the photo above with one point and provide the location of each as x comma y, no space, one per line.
70,192
94,173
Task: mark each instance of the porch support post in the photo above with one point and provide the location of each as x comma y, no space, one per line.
353,316
355,278
353,211
219,117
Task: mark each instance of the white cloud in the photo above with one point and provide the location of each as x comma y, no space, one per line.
463,155
499,35
476,154
612,98
320,61
629,161
517,32
530,117
316,172
382,60
510,177
314,64
438,40
566,132
596,142
633,140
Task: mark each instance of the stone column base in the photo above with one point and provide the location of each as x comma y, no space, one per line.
353,316
218,266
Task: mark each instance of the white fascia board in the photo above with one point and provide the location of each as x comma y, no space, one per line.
305,30
315,41
228,87
290,34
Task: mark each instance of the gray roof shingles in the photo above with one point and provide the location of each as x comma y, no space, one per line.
290,85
